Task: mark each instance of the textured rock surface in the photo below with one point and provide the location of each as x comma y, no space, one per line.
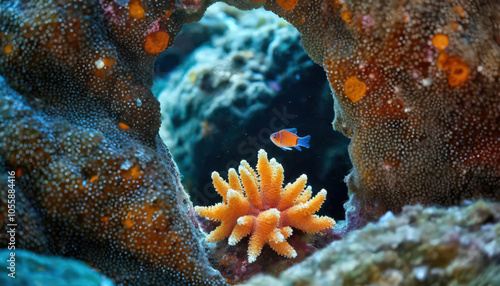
79,127
34,269
425,128
421,246
222,104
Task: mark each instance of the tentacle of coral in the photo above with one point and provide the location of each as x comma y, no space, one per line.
234,180
276,236
222,231
283,248
265,223
309,207
304,196
251,170
286,231
265,171
292,192
243,228
251,188
276,183
216,212
220,185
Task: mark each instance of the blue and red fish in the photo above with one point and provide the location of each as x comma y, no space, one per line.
287,138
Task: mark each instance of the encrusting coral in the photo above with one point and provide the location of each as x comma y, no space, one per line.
256,204
79,126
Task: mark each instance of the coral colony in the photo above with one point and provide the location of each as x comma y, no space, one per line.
257,204
415,85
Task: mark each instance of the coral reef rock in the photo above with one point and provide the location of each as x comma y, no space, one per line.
79,127
421,246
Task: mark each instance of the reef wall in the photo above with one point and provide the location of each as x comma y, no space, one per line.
79,127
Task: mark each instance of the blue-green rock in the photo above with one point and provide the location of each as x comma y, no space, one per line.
39,270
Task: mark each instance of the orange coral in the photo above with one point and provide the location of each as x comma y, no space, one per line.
458,70
156,42
440,41
287,5
257,204
354,89
135,10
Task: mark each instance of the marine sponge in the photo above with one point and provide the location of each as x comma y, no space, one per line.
256,204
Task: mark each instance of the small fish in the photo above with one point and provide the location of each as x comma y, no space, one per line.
287,138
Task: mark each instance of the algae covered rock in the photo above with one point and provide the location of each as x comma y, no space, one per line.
421,246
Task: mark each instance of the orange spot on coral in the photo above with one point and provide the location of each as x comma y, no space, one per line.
135,10
441,60
168,13
287,5
440,41
94,178
103,67
459,10
19,172
354,89
156,42
128,222
104,63
456,67
8,49
123,126
105,220
132,174
454,25
458,72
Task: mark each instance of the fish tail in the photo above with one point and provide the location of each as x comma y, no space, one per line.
304,141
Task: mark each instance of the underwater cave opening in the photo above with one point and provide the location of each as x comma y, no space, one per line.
232,79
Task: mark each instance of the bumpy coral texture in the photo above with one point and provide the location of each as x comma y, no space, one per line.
79,126
416,89
256,204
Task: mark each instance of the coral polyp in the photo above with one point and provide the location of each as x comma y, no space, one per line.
256,204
